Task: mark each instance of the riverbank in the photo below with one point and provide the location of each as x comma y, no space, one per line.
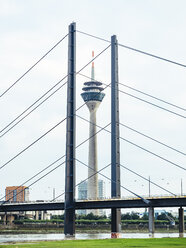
109,243
94,230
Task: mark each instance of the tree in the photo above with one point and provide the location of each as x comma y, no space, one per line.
91,216
145,216
61,217
126,216
165,216
134,216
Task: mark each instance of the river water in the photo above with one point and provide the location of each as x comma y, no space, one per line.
60,236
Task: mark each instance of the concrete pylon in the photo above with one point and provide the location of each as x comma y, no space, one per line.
69,218
151,221
92,157
92,185
92,96
115,140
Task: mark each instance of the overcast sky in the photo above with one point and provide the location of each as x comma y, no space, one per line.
30,28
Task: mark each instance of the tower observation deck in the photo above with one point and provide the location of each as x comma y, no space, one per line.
92,96
92,91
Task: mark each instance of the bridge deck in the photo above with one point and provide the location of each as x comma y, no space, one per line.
179,201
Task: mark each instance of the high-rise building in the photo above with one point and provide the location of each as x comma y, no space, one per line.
82,191
17,193
101,194
82,195
101,189
92,96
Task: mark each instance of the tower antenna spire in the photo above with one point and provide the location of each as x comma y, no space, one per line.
92,69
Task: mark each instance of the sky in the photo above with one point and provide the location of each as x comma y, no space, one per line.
30,28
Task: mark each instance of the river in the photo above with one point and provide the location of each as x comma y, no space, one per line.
60,236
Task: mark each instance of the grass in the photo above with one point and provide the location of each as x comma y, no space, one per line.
108,243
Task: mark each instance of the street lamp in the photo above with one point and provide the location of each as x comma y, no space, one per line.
181,187
54,194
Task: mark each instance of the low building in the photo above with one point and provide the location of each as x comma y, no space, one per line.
17,194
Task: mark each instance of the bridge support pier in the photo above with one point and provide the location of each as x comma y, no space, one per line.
10,219
36,215
151,221
45,215
42,215
181,222
115,222
5,219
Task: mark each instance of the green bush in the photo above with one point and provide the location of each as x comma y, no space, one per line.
25,221
90,216
56,217
103,221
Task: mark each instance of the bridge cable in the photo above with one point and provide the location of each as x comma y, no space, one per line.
135,50
137,174
82,181
57,160
26,148
142,148
154,97
142,92
33,65
155,105
34,142
98,172
38,173
138,98
155,140
29,111
103,128
144,200
46,97
36,181
80,107
86,179
134,130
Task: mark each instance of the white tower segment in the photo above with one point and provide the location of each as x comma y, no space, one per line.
92,96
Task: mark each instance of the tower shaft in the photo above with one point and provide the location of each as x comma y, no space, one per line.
92,96
92,192
92,159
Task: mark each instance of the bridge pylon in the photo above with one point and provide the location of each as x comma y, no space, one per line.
115,140
69,224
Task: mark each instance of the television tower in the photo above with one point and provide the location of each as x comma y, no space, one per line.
92,96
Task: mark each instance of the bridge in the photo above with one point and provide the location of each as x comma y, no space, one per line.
116,203
155,202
